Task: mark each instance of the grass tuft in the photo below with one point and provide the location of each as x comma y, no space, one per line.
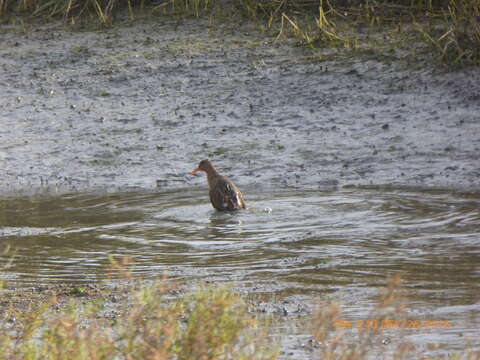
212,323
451,28
70,10
457,39
194,8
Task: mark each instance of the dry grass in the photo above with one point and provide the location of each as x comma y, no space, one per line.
135,321
456,39
103,10
451,28
330,328
69,10
210,324
448,28
333,332
195,8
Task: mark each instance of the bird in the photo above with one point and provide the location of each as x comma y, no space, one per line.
224,195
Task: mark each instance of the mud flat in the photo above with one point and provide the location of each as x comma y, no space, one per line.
139,106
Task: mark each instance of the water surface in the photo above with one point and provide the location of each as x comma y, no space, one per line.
313,244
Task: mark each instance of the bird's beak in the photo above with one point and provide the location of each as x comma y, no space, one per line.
194,172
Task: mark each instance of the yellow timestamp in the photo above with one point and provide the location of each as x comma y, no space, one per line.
391,324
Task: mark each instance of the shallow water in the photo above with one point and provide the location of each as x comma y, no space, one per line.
302,243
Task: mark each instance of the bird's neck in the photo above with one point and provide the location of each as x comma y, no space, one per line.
212,174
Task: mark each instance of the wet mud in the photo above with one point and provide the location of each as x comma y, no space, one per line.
140,105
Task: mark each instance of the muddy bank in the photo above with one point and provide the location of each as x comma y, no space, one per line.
139,106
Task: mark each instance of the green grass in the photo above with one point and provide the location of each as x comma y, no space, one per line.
456,40
103,10
446,31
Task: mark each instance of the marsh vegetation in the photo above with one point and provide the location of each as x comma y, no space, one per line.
162,320
448,30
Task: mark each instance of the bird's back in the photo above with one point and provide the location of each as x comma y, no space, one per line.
225,196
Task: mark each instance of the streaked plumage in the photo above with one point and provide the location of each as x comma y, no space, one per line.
224,195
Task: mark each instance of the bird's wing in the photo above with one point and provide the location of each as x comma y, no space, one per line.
226,196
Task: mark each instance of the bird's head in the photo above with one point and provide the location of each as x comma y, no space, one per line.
204,165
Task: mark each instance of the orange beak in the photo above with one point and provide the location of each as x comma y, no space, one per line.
194,172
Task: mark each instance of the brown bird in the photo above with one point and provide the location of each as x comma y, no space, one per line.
224,195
